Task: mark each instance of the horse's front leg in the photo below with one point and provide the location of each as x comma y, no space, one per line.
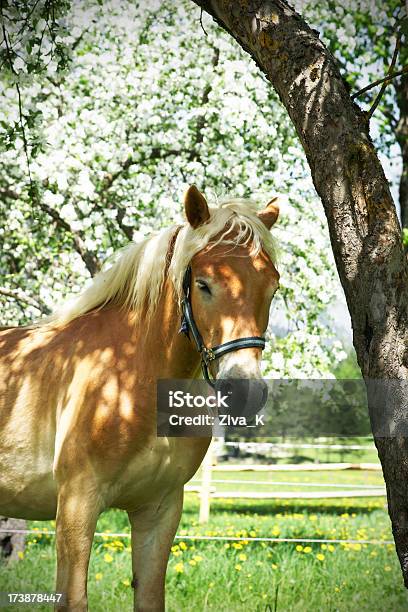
77,514
153,529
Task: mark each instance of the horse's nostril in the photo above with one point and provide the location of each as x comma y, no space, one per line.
227,388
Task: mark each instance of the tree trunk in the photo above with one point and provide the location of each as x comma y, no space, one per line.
11,543
364,229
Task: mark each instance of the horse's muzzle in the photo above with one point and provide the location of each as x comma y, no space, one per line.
245,396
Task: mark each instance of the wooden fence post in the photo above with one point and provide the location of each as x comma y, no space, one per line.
206,486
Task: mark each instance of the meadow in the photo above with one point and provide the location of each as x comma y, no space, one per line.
243,575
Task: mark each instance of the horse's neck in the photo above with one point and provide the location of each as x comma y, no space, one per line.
152,347
171,353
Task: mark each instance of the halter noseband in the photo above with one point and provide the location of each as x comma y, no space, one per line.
209,354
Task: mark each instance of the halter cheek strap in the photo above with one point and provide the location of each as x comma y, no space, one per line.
188,326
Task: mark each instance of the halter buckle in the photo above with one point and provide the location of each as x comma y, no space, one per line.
207,355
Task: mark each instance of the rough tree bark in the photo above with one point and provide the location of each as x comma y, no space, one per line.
364,229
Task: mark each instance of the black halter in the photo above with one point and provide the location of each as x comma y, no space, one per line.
209,354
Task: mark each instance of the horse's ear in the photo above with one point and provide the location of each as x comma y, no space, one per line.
270,213
196,207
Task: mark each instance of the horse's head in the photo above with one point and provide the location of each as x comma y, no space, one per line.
233,281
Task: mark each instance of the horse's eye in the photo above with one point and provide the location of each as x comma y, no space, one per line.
202,285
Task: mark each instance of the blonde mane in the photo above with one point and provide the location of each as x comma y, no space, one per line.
134,279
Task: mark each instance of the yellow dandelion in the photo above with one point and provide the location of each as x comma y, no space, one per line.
252,534
98,576
177,553
323,546
197,558
387,568
276,531
330,548
238,567
307,549
108,558
20,554
126,582
174,548
183,546
320,556
179,567
242,557
313,517
193,562
299,548
237,545
274,566
211,585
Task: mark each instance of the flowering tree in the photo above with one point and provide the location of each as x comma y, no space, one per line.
144,108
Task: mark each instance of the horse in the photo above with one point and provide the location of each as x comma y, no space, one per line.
78,389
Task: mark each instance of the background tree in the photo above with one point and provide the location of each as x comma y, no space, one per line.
136,114
363,224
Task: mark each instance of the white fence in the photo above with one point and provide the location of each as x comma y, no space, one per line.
206,489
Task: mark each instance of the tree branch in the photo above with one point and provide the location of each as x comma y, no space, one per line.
201,22
111,177
387,78
201,121
91,261
23,299
20,103
386,82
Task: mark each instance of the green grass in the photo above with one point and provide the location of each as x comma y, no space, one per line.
245,576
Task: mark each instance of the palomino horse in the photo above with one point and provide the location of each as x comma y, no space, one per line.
78,391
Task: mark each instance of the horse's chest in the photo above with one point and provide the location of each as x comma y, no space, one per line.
164,465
